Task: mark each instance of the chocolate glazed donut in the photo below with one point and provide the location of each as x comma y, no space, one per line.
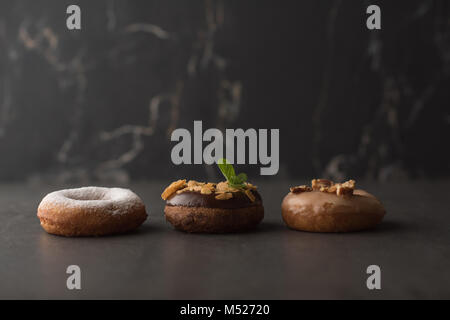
194,211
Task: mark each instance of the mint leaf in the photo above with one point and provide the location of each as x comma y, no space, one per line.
226,169
235,181
241,178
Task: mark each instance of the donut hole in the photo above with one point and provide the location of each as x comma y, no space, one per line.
84,197
94,195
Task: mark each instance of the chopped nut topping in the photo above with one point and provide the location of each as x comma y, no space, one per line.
221,190
300,189
222,187
316,184
172,188
224,196
193,183
195,188
250,195
341,191
225,187
250,186
345,188
349,184
328,186
207,189
330,189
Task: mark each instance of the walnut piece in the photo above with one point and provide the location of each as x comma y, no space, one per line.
225,187
316,184
345,188
195,188
250,186
207,188
330,189
172,188
250,195
224,196
349,184
222,186
193,183
300,189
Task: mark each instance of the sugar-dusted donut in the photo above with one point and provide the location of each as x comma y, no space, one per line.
330,207
212,208
91,211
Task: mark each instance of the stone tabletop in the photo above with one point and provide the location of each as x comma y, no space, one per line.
412,248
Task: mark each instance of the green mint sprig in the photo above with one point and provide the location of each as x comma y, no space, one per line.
234,181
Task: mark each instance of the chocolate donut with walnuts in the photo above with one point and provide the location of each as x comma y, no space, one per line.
331,207
212,208
229,206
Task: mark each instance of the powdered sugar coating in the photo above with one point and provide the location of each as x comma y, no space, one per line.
114,201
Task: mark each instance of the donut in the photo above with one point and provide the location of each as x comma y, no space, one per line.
91,211
331,207
212,208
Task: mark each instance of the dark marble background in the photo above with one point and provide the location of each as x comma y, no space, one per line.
99,104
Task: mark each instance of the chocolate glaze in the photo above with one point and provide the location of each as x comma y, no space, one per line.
196,199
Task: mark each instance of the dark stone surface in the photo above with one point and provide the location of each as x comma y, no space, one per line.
99,104
411,246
